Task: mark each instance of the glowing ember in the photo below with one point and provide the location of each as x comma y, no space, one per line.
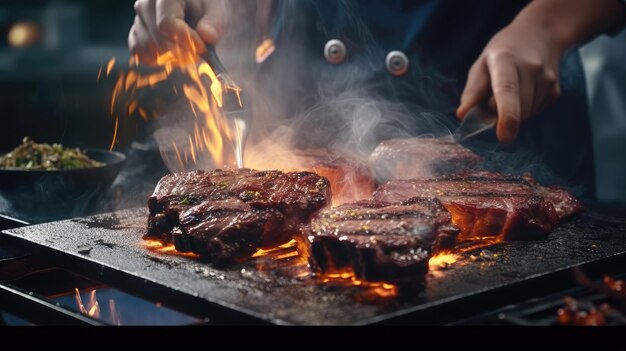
615,285
264,50
582,313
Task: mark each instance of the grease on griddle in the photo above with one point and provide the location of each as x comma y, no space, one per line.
84,249
103,222
104,243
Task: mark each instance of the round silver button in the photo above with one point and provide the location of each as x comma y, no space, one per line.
335,51
397,63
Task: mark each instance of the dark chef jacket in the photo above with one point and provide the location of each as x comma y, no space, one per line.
441,40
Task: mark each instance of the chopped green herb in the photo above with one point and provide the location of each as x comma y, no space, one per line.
184,201
30,155
249,195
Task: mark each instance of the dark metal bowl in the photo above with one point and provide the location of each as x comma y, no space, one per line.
60,193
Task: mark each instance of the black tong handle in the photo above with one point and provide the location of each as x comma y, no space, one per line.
210,56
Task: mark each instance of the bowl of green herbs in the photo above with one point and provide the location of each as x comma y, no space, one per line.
52,177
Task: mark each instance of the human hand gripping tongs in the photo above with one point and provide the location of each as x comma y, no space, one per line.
235,112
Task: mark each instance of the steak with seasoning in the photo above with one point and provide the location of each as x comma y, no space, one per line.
490,205
381,241
227,215
565,204
420,158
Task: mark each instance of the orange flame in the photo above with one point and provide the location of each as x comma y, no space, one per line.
114,134
264,50
110,66
92,309
166,248
291,258
203,90
442,260
368,292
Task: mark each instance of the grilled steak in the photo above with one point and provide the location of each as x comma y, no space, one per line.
563,201
226,215
420,158
380,241
488,204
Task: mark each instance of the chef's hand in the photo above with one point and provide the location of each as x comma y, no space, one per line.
519,67
162,24
523,78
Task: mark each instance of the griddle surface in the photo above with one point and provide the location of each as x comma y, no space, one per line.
115,241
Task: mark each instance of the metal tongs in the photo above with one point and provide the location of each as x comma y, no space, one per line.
477,120
234,109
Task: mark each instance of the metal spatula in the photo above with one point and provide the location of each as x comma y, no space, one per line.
479,119
237,115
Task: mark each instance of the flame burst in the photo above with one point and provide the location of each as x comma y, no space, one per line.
442,260
202,89
92,309
365,291
166,248
290,259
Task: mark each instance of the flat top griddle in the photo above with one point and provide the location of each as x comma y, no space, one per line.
114,241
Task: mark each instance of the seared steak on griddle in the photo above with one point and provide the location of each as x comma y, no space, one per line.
488,204
563,201
380,241
420,158
225,215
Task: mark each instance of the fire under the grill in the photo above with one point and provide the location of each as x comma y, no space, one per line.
274,287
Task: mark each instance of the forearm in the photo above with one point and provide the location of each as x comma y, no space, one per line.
571,22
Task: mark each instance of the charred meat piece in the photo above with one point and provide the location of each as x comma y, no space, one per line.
564,202
380,241
490,205
226,215
420,158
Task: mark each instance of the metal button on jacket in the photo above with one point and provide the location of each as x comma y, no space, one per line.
335,51
397,63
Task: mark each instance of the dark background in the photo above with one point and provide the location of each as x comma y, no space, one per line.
48,90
